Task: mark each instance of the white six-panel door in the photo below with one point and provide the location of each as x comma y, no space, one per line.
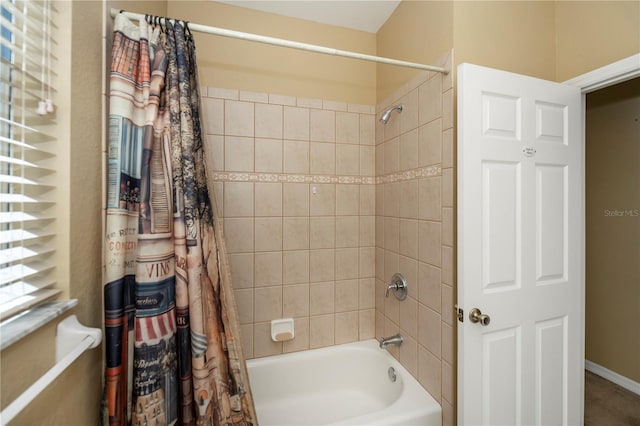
520,196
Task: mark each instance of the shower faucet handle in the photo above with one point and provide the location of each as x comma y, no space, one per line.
399,287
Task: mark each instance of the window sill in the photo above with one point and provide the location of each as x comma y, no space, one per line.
19,326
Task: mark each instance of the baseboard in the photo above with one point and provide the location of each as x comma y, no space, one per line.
612,376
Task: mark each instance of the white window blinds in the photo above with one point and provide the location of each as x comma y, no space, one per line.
27,155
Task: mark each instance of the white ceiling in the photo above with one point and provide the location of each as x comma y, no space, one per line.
363,15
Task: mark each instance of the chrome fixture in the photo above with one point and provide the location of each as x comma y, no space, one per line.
391,341
476,316
398,285
384,118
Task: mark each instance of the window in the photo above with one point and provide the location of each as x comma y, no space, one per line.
27,156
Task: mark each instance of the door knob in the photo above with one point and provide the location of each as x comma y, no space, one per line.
476,315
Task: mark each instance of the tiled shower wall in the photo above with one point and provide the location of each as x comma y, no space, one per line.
295,184
415,232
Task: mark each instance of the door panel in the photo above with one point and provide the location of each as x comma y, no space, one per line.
520,248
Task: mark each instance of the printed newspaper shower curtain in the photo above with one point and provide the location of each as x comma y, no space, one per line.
173,353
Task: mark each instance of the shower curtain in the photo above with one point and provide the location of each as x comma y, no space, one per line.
173,352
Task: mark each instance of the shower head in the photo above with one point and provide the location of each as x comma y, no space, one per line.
384,118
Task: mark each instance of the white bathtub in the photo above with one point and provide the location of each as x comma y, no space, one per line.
340,385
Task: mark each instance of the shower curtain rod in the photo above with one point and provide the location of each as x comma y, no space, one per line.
291,44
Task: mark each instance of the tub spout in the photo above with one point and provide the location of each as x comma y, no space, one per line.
391,341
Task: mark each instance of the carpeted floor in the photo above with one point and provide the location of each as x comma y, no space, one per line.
607,404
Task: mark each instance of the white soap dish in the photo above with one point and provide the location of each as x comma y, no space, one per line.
282,329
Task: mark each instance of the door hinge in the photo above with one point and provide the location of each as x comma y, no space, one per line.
459,313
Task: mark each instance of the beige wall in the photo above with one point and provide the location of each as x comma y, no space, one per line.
237,64
592,34
417,31
613,229
415,235
79,114
516,36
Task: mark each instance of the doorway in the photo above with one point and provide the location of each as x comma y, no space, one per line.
612,272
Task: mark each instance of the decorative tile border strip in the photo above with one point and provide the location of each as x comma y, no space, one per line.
290,178
419,173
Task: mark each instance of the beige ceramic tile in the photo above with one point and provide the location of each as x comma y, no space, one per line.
321,331
246,339
448,346
367,129
347,199
322,126
392,155
295,300
390,329
380,288
448,148
309,103
429,331
216,92
429,287
323,158
322,232
448,414
429,198
295,267
238,154
295,199
244,301
239,234
347,127
268,155
321,265
379,264
241,270
366,324
409,115
301,340
267,303
296,156
429,249
447,265
391,265
408,244
295,233
379,325
447,226
409,269
347,159
268,234
366,293
346,327
409,355
447,188
392,308
254,96
408,193
409,318
448,382
296,123
321,298
409,150
268,199
268,121
367,160
213,111
334,105
429,374
430,143
392,128
430,100
448,300
346,263
379,160
367,199
268,268
238,199
447,109
347,231
282,100
262,343
392,234
238,118
392,201
346,294
367,231
323,201
214,153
